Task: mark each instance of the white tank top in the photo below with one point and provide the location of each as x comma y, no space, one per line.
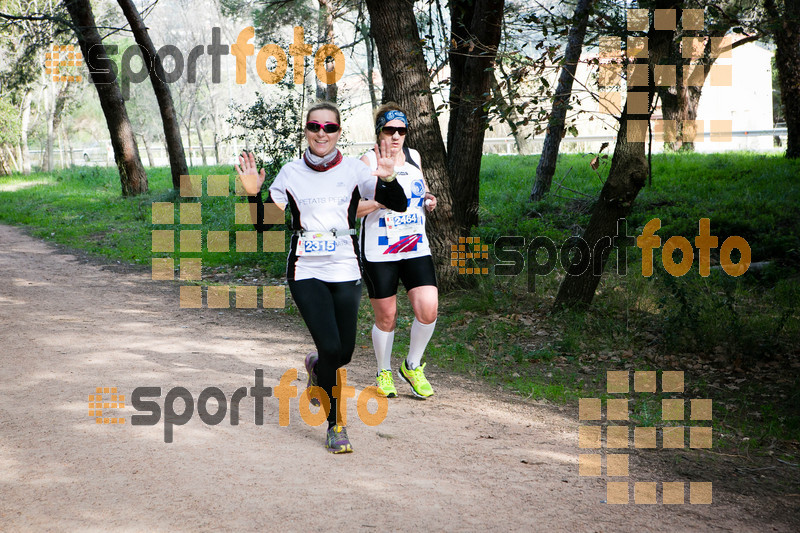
390,236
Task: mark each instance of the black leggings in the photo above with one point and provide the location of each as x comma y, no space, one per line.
330,311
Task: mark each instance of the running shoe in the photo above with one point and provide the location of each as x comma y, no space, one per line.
337,441
386,383
311,362
416,378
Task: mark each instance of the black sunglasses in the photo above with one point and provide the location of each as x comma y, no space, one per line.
391,130
328,127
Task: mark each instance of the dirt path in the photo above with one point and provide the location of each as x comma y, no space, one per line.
470,459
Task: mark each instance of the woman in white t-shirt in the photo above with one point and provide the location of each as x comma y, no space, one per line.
322,191
394,248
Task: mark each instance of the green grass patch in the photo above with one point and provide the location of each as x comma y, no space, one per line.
82,208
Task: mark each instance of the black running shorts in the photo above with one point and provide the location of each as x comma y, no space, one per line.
381,278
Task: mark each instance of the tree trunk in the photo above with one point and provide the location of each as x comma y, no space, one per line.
787,60
476,26
61,149
5,162
5,167
172,132
627,175
131,173
25,124
674,102
147,150
68,144
675,98
369,42
679,103
59,105
405,81
12,158
49,106
692,103
555,129
200,139
326,91
453,178
189,140
681,107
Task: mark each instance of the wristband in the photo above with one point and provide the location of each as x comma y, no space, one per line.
390,179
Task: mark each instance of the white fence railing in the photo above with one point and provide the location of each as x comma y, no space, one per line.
740,140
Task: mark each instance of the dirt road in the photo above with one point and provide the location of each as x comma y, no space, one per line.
470,459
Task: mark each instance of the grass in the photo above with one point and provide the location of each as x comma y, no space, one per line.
752,195
735,338
82,208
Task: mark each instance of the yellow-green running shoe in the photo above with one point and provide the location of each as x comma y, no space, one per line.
337,441
416,378
386,383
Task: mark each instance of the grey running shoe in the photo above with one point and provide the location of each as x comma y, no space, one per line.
337,441
311,363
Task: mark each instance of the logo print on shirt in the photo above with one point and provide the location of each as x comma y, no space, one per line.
406,244
417,189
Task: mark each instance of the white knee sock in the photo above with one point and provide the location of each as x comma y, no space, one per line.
382,342
420,336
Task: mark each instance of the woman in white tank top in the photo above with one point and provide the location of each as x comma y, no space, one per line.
394,248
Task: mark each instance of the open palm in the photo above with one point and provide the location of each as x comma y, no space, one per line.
251,179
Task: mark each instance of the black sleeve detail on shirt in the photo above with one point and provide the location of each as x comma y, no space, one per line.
296,223
259,222
407,153
352,209
391,195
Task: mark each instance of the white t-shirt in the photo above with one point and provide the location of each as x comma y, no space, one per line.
320,202
389,236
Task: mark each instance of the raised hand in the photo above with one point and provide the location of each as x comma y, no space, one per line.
385,159
251,179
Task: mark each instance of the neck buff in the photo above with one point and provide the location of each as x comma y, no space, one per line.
321,164
393,114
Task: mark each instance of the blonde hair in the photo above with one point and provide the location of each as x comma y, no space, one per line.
324,104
